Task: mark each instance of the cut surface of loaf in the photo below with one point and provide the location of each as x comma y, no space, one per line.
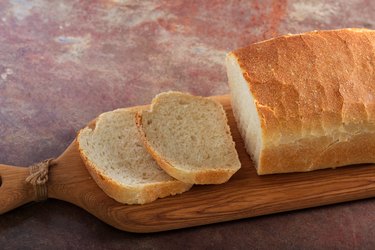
117,160
189,138
307,101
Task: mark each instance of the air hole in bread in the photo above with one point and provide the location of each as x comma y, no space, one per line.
149,122
207,156
183,102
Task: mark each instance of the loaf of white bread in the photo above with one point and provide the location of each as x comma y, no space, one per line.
305,102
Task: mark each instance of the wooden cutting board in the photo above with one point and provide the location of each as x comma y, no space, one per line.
245,195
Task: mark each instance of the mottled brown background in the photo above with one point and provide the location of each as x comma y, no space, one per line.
64,62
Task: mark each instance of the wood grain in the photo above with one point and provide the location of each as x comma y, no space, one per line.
14,191
245,195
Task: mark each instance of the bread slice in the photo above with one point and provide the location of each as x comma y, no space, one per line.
117,160
189,137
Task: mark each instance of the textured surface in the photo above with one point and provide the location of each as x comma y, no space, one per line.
316,107
64,62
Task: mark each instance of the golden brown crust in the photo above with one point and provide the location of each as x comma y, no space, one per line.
308,155
315,97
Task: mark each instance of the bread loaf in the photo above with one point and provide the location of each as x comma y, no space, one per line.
117,160
189,137
305,102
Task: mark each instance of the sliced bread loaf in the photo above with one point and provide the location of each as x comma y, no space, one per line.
117,160
189,137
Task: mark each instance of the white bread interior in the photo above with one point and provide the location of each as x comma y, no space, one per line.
114,155
190,138
244,109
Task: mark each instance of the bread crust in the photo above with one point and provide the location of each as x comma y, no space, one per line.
315,97
135,194
207,176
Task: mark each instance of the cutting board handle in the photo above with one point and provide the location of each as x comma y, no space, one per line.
14,190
